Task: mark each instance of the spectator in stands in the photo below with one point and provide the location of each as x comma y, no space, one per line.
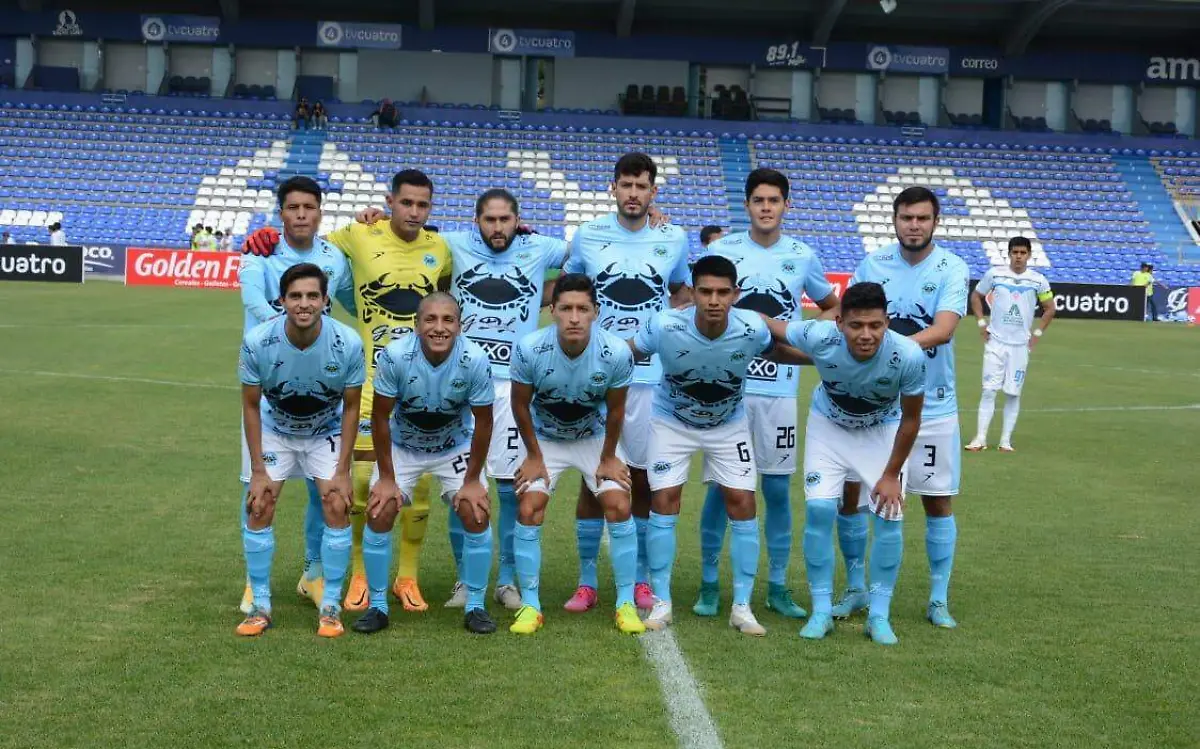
386,115
58,237
303,115
1145,279
320,116
196,230
708,235
224,241
7,238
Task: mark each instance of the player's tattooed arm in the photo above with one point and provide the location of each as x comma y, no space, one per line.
889,494
941,332
533,467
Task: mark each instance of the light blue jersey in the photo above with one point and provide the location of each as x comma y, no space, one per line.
259,278
703,379
859,394
433,404
773,281
633,272
501,292
302,390
916,293
569,395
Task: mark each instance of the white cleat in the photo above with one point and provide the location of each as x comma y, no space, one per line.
659,617
976,446
458,597
507,596
1006,448
742,619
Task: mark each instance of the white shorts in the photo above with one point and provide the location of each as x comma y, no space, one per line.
728,460
635,434
448,467
583,455
773,433
834,455
289,457
506,451
1004,366
933,467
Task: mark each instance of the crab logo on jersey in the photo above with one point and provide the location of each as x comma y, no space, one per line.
629,289
868,404
563,410
303,400
771,297
910,323
507,292
715,389
414,411
398,301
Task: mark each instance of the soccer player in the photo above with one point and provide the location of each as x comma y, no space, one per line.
302,377
300,213
432,414
774,272
706,352
568,398
708,235
926,289
1016,292
637,269
862,423
394,266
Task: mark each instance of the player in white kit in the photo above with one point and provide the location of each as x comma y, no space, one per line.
1013,294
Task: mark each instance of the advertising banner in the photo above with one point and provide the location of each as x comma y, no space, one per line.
537,42
35,262
176,28
839,281
1193,305
1093,301
358,35
104,260
896,59
181,268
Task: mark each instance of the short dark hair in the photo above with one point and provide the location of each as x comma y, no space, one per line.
496,193
635,164
1020,242
708,232
299,183
434,298
864,295
573,282
413,177
715,265
764,176
299,271
914,195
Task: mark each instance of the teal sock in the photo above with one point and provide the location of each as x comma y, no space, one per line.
377,558
660,549
643,566
743,552
527,548
852,538
259,547
819,520
886,553
314,532
457,535
712,533
941,536
776,489
587,534
622,552
476,565
335,553
506,522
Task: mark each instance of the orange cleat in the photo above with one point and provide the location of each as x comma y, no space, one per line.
358,596
330,624
409,595
255,623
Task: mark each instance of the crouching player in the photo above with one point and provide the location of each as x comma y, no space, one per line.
575,376
302,376
432,415
862,423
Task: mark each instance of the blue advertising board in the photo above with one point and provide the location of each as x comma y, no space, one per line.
897,59
176,28
535,42
344,35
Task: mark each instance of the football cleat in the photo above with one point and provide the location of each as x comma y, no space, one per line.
508,597
643,596
1006,448
409,595
708,603
247,604
358,597
529,620
742,619
458,597
371,622
779,600
976,446
938,615
330,624
628,621
879,629
852,601
479,622
312,589
660,616
255,623
817,627
583,600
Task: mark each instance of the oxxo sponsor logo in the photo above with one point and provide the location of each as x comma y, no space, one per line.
498,352
155,267
1182,69
38,263
761,369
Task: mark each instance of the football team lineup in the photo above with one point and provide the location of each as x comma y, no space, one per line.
651,357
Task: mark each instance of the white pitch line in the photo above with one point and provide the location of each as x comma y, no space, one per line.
113,378
1092,409
689,718
1134,370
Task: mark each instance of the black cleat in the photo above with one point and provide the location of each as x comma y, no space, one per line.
371,622
479,622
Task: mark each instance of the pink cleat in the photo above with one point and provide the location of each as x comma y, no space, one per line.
643,596
583,600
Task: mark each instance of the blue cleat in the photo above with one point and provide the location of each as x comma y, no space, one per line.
709,601
779,600
879,629
817,627
852,601
938,614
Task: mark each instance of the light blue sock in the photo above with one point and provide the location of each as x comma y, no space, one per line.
622,552
777,492
712,534
457,534
819,519
377,558
506,522
660,550
476,565
643,566
314,532
259,547
852,538
587,536
743,552
527,548
335,556
941,534
886,553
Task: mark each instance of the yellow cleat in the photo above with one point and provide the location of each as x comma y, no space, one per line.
312,589
409,595
358,596
247,603
628,621
529,620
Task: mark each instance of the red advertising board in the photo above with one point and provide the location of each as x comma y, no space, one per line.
1193,307
839,280
181,268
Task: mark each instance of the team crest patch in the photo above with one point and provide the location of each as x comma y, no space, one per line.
737,356
364,427
332,368
328,271
661,466
458,383
599,378
270,459
883,381
929,288
374,232
430,261
660,250
789,266
812,478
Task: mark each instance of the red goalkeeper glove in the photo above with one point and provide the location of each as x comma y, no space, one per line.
261,242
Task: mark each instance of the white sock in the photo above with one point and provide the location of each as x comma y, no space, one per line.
987,407
1012,407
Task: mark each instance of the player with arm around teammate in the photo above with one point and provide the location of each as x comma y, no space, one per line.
302,377
862,422
1009,336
